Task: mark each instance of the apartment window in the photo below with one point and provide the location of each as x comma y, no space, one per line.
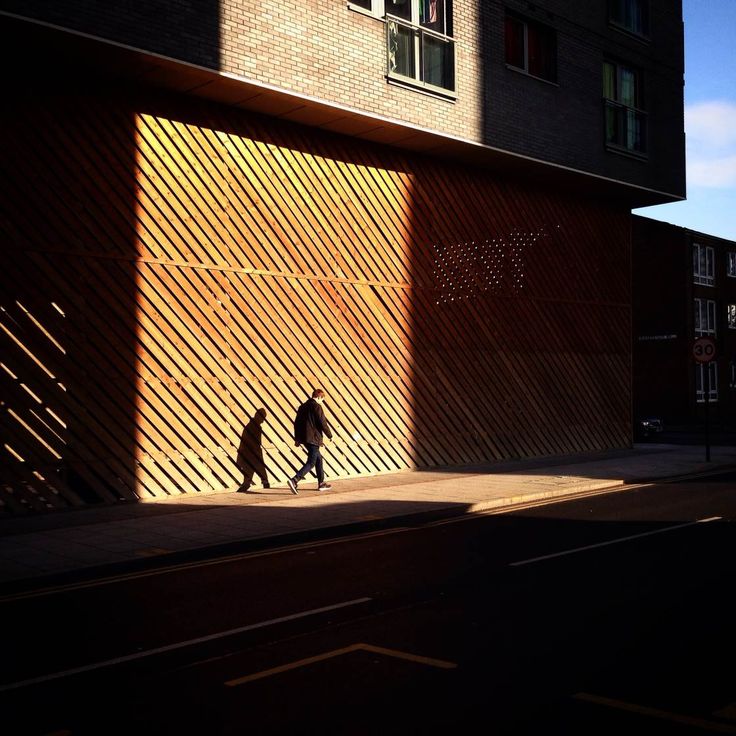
705,317
703,265
706,379
631,15
731,264
531,47
731,316
419,44
623,102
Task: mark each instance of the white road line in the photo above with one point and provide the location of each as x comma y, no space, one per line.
699,723
165,570
178,645
575,550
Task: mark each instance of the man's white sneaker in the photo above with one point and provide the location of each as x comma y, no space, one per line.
324,487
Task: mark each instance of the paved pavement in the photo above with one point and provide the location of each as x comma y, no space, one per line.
43,549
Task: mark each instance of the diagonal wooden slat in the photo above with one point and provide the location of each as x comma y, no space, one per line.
196,265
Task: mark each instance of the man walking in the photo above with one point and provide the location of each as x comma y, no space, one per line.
309,427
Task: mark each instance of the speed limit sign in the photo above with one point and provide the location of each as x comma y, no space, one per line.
704,349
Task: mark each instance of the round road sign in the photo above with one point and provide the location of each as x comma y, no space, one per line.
704,349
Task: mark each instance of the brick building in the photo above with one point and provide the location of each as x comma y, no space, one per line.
684,287
421,205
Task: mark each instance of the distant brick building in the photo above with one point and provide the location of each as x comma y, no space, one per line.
422,206
684,287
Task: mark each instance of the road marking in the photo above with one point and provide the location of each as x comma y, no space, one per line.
124,577
729,712
575,550
656,713
179,645
442,664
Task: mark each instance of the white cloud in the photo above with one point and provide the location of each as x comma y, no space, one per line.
711,144
712,172
712,124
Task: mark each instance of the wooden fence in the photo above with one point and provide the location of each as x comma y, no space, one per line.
177,277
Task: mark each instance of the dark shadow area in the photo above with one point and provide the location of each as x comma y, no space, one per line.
250,453
189,31
68,222
521,634
67,279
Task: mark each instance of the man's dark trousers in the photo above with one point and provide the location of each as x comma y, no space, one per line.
314,460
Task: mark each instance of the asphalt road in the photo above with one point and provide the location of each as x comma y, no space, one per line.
589,616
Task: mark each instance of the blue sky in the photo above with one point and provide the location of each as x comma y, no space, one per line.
710,121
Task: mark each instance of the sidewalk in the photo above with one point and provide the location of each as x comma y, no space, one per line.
36,550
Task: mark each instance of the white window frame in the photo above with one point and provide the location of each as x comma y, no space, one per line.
711,370
419,33
376,8
731,264
731,316
704,255
705,314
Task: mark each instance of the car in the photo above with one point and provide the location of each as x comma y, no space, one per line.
647,427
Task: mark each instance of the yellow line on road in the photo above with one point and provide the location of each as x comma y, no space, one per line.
656,713
442,664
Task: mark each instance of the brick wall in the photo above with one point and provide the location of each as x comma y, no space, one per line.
328,51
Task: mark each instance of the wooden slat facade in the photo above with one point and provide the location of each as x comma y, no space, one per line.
171,268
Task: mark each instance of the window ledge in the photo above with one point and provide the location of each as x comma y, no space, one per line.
363,11
642,37
628,153
436,92
525,73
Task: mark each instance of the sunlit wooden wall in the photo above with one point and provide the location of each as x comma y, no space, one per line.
177,277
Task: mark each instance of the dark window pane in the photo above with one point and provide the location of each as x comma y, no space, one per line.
437,62
362,3
515,42
541,52
400,8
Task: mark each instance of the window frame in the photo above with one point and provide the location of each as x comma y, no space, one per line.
707,308
620,24
375,10
546,31
712,373
623,111
731,316
709,277
419,35
731,264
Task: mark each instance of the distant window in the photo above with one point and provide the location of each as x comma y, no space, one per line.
419,45
631,15
706,378
623,99
703,265
731,316
531,47
731,264
365,4
705,317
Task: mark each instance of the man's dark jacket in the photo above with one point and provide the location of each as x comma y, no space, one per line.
310,424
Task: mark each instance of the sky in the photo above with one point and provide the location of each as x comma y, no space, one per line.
710,122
